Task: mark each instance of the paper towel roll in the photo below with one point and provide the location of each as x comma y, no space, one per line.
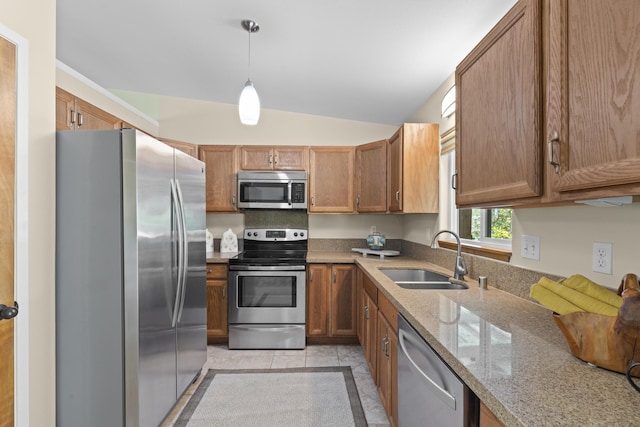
209,241
229,242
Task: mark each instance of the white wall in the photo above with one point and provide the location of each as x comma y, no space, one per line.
35,20
201,122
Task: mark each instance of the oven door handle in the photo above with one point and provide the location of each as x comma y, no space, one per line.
267,267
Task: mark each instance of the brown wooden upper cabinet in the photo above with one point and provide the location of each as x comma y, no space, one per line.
221,169
498,112
371,177
260,157
556,121
331,179
412,170
593,91
74,113
185,147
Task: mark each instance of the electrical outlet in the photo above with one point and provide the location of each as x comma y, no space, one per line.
602,257
530,247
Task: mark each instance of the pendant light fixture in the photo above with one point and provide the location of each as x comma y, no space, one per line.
249,104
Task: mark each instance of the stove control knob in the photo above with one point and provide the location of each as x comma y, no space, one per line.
302,234
248,234
295,234
255,234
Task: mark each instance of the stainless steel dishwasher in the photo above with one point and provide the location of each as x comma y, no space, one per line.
429,392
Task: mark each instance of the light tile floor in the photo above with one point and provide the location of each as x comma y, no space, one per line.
220,357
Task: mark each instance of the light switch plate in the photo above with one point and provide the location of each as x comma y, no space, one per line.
530,247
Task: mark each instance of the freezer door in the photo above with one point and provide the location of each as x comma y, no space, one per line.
157,278
192,311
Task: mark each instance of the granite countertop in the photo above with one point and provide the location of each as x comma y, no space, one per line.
510,352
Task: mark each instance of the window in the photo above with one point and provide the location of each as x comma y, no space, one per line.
489,227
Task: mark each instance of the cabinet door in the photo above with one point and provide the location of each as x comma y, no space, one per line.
256,158
369,341
420,163
91,117
331,179
65,110
318,299
371,177
499,112
384,362
221,168
394,170
359,306
185,147
217,308
290,158
343,300
594,94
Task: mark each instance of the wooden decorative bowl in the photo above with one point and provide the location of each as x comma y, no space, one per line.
606,341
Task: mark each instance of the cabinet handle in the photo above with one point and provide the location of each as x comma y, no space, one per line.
270,159
366,312
358,200
80,121
555,139
275,159
73,118
311,276
385,346
454,181
334,276
313,201
398,196
224,292
233,200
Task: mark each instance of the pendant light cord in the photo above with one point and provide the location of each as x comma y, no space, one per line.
250,30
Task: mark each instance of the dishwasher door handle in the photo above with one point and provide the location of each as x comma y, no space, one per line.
445,396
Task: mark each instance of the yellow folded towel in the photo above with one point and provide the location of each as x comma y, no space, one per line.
582,301
580,283
552,301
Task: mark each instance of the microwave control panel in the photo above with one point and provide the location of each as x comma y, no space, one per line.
297,192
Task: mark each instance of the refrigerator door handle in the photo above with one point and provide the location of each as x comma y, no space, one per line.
175,204
185,250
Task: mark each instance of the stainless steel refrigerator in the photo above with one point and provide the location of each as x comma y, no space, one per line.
130,277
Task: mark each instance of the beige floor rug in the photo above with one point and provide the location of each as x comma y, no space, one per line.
297,397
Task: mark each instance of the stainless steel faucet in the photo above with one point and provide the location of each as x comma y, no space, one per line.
460,268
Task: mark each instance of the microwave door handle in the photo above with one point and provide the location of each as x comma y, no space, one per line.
289,188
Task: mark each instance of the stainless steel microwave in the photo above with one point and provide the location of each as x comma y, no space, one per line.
272,190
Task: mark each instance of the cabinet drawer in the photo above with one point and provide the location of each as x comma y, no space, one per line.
370,288
388,310
217,271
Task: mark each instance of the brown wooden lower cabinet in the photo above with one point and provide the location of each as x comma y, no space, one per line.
378,333
217,304
331,303
487,418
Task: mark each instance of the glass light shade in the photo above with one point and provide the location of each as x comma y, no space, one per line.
249,105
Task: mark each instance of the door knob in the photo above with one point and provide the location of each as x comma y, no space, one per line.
8,312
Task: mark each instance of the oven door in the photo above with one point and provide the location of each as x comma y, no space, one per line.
267,296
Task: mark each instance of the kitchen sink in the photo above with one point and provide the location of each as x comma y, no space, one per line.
422,279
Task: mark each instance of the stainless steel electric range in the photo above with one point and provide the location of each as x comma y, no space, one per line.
267,284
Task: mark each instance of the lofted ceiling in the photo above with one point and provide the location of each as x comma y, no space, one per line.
368,60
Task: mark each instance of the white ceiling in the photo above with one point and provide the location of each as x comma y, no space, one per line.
369,60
